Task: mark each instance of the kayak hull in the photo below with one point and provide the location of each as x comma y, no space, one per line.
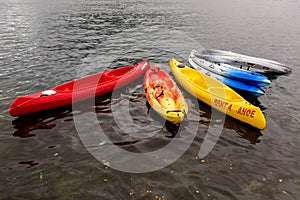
77,90
164,96
217,95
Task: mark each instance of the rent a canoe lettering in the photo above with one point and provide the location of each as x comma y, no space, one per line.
247,112
222,104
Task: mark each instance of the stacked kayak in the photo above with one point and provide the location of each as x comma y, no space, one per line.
78,90
164,96
217,95
229,71
235,78
243,61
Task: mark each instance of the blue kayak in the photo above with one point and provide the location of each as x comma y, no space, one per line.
233,83
248,77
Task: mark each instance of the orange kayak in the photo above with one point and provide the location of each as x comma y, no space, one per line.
164,96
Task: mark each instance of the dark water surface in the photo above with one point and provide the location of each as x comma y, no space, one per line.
45,43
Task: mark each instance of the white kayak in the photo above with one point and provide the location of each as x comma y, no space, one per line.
243,61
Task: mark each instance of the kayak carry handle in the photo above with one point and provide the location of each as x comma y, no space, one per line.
181,65
176,111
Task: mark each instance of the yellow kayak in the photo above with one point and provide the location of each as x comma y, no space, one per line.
217,95
164,96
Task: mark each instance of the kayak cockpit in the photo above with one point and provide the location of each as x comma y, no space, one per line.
85,83
119,72
224,93
93,80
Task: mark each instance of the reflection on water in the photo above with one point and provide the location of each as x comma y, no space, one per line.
243,130
30,163
47,119
43,120
24,125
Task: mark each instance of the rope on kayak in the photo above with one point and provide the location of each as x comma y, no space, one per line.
162,91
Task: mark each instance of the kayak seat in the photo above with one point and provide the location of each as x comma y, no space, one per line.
65,87
168,103
88,82
168,94
199,82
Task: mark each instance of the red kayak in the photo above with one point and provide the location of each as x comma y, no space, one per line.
78,90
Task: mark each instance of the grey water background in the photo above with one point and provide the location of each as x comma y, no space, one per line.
45,43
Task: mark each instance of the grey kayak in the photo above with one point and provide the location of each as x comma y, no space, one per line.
246,62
